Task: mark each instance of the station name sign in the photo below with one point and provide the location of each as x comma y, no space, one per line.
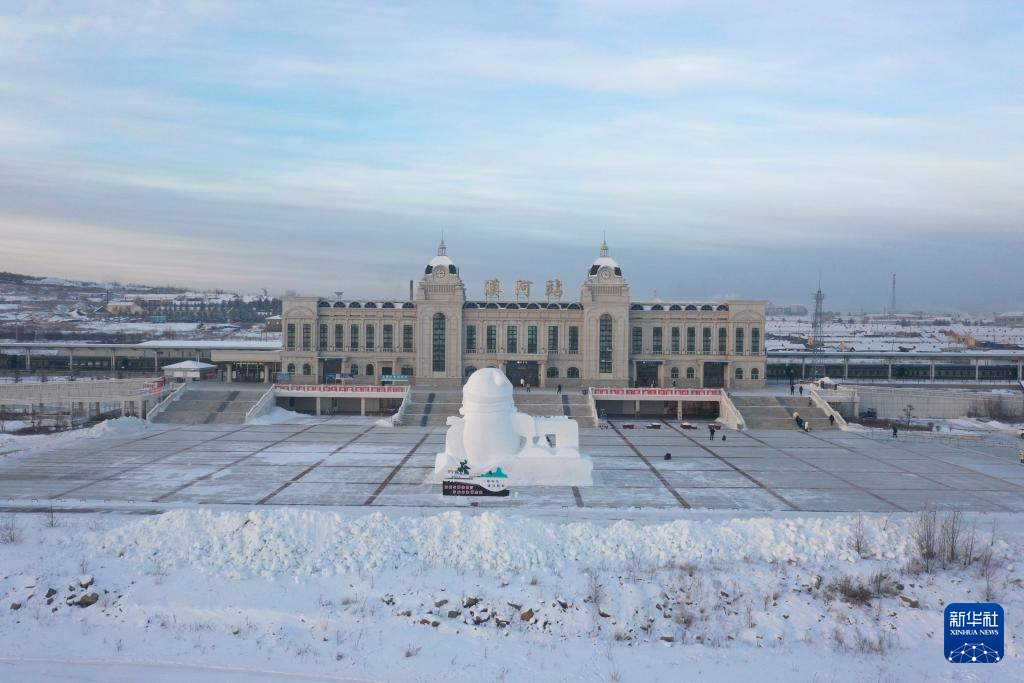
667,393
336,389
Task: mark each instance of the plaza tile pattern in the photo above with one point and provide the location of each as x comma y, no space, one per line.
355,462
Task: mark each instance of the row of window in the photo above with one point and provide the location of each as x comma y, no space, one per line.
551,374
307,369
658,343
325,341
512,339
691,373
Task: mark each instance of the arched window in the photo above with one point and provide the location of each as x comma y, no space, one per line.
573,373
306,369
690,373
739,373
675,373
604,342
755,373
369,369
470,370
291,368
439,342
552,373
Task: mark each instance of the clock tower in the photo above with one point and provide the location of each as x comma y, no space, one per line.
605,300
439,300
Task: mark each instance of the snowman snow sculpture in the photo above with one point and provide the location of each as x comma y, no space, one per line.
492,433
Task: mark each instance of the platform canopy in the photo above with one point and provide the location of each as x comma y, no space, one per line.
189,365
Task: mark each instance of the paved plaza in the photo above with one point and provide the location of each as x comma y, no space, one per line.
347,461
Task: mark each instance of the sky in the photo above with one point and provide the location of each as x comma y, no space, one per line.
725,149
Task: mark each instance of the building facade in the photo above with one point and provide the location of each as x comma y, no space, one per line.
1015,319
600,339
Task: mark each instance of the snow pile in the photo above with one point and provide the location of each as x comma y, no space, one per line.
121,427
278,415
305,542
236,596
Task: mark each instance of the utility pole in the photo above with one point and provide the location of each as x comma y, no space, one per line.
892,305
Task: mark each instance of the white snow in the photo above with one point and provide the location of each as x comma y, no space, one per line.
302,543
119,427
272,594
278,415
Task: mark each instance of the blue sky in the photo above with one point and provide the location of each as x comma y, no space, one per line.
727,149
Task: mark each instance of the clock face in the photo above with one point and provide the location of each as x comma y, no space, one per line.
440,272
606,272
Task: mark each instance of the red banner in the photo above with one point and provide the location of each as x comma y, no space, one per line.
339,389
668,393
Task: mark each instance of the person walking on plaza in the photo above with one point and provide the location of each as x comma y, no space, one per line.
895,432
801,389
831,420
792,389
559,389
711,432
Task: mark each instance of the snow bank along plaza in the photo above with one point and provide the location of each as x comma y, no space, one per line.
601,339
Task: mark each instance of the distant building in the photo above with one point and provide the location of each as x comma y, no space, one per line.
1013,319
603,338
123,308
791,309
273,323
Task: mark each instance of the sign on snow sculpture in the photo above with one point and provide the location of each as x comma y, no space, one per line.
493,437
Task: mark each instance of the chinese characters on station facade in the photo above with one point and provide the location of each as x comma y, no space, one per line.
552,290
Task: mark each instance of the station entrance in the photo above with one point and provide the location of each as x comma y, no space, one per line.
714,375
528,370
647,373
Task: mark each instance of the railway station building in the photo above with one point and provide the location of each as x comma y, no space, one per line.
600,338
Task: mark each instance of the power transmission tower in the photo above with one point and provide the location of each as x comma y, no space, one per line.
817,342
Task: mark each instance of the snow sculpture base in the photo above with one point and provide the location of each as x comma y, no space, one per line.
535,451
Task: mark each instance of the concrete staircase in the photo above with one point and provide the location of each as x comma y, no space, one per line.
431,407
817,416
764,411
212,405
546,402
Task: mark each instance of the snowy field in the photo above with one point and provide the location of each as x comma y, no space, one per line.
310,549
300,594
865,334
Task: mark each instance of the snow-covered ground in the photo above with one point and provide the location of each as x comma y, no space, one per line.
867,334
401,596
119,427
278,415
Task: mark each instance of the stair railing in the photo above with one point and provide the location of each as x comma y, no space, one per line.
170,398
817,400
267,401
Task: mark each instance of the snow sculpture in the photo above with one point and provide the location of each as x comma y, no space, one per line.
492,434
